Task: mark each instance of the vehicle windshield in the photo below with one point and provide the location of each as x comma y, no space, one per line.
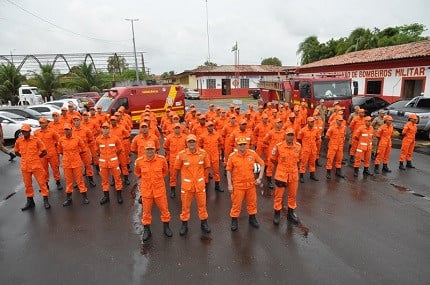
13,116
105,101
331,90
35,91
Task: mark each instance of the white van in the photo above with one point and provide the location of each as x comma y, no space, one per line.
29,95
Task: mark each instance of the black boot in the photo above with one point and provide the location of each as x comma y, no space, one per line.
277,217
409,164
292,217
29,205
172,192
47,185
351,159
184,228
313,177
302,180
12,156
112,181
317,163
105,199
85,198
91,181
269,182
126,181
97,168
328,175
376,169
204,226
385,168
355,171
366,171
217,187
46,202
139,200
234,224
59,186
166,229
146,233
68,201
253,221
119,196
401,166
339,173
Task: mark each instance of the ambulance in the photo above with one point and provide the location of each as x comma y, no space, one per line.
135,99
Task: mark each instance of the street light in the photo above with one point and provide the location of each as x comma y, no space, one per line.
134,48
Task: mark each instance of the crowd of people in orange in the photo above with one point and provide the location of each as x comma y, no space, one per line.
284,141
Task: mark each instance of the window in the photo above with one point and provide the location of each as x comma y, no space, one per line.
374,87
211,83
26,91
244,83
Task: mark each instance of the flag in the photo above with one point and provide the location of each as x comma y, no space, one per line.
234,48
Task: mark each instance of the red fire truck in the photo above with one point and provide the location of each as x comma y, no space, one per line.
312,89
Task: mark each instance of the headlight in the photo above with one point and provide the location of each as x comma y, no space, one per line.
34,126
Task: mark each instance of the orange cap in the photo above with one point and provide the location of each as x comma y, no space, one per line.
76,117
289,131
106,124
43,120
210,123
63,109
67,126
26,128
339,118
367,118
413,116
143,124
388,118
85,113
243,122
149,145
264,116
241,140
292,115
191,138
113,118
176,125
361,110
310,119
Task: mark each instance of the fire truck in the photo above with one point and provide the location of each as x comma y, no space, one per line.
311,89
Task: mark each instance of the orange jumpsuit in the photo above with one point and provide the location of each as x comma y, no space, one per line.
363,137
192,167
212,143
109,147
57,127
139,141
336,135
384,134
286,158
31,165
270,140
152,187
309,138
319,125
124,136
408,141
356,123
93,126
50,139
88,138
260,130
71,149
241,167
226,131
173,145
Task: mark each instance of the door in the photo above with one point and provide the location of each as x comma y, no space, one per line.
412,88
226,86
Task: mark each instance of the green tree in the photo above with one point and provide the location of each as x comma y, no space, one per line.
10,80
309,50
209,63
271,61
167,74
116,64
84,78
47,81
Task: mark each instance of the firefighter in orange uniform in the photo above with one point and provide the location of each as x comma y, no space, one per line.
56,125
108,147
64,117
31,149
241,181
273,137
355,124
336,135
286,156
151,169
309,138
192,162
95,130
319,125
408,142
50,139
260,130
363,139
123,135
71,147
384,143
174,143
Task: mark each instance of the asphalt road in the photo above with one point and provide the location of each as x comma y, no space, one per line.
373,230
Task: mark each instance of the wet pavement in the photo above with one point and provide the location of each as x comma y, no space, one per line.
373,230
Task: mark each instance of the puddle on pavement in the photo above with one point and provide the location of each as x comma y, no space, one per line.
400,188
206,239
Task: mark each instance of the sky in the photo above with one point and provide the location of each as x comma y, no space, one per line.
173,34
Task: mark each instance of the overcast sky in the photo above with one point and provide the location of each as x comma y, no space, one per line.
173,33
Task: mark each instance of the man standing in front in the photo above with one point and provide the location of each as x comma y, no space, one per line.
31,149
241,181
192,163
151,168
286,157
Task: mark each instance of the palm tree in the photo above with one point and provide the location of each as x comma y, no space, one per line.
84,78
47,81
10,80
309,50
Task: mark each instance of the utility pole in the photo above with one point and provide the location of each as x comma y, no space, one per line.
134,49
207,31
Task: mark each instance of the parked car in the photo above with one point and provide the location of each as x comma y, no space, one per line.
45,109
12,123
191,94
368,103
65,102
94,96
23,111
393,106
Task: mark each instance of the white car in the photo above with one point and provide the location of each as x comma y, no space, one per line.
65,103
191,94
12,123
46,110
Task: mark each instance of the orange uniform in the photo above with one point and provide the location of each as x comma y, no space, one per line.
271,139
260,130
71,149
309,138
192,166
108,148
88,138
30,150
240,167
139,141
356,123
173,145
152,187
212,142
50,139
384,134
408,142
57,127
336,135
363,137
124,137
286,158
